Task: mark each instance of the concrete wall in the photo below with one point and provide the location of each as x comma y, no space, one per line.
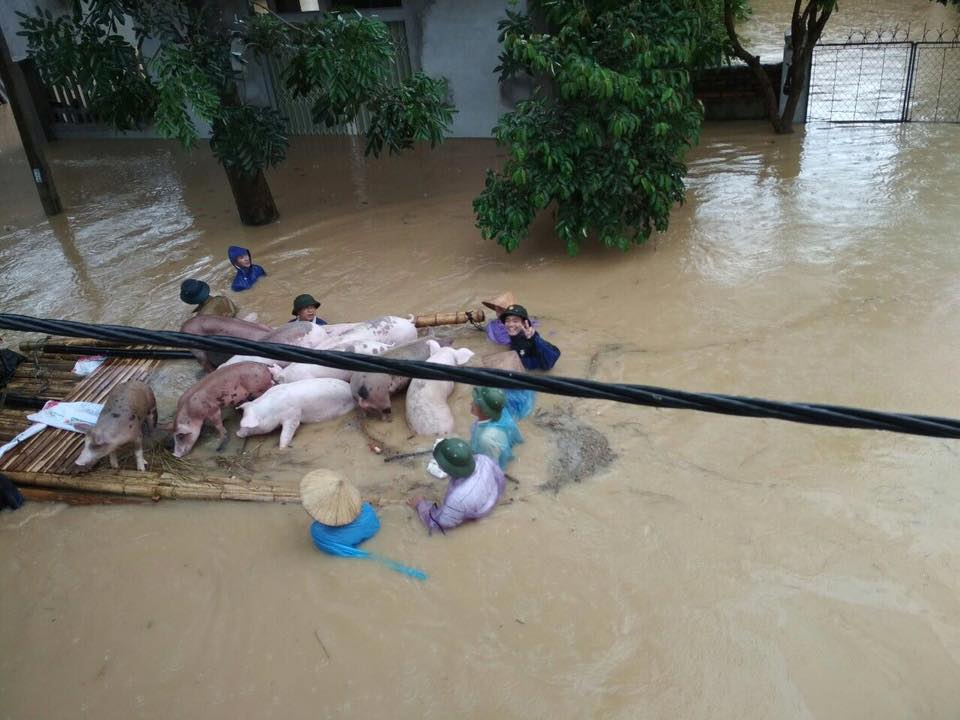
459,42
732,93
457,39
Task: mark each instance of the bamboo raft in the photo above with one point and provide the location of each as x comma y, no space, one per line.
43,466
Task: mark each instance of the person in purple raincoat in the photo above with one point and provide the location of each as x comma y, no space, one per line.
476,484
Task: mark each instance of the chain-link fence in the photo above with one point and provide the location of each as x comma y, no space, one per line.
889,79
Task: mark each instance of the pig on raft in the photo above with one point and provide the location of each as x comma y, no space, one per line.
216,325
306,371
129,410
288,405
225,387
298,334
372,391
427,410
388,330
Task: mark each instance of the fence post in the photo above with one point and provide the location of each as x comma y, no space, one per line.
908,90
800,114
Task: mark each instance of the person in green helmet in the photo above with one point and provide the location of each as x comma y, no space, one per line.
494,432
535,352
305,309
476,484
197,292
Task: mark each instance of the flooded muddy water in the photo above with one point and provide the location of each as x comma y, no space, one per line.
709,567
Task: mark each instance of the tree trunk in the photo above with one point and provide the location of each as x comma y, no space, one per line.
252,196
806,27
770,96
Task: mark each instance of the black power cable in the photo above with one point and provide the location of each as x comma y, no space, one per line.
809,413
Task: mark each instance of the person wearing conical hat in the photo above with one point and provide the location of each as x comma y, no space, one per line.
341,520
197,292
494,432
305,309
476,484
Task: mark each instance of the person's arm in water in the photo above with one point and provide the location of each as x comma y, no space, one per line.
440,518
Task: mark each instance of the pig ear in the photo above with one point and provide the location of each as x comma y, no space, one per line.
83,427
463,355
241,406
433,346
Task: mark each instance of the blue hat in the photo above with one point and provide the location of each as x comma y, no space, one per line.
194,292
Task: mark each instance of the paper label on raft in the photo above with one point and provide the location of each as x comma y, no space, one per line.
66,415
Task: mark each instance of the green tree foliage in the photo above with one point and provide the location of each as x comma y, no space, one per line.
186,60
603,138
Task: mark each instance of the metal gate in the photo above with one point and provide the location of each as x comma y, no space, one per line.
887,80
297,109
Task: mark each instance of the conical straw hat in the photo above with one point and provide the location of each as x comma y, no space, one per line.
329,498
501,302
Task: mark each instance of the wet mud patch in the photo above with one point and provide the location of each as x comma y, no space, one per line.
581,450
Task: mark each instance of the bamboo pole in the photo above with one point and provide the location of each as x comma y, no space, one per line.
70,497
455,318
129,483
40,345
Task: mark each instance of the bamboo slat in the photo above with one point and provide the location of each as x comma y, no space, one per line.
54,450
129,483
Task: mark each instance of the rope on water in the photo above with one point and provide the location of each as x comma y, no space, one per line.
808,413
342,541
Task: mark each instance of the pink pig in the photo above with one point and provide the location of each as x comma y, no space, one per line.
299,334
128,410
288,405
227,386
306,371
372,390
216,325
428,412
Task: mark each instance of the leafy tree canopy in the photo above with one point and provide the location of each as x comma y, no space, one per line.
603,138
187,56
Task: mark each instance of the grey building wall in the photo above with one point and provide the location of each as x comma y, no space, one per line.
10,22
458,40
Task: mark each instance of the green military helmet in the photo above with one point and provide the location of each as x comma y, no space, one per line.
454,457
304,301
490,401
517,311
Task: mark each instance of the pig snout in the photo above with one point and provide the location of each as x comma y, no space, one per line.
87,457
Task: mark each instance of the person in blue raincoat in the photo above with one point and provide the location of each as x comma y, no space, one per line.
247,272
494,432
535,352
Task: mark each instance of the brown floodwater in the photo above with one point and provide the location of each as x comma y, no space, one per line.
716,568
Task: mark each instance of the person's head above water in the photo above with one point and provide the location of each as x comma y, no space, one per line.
239,257
305,307
515,319
194,292
454,457
488,403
